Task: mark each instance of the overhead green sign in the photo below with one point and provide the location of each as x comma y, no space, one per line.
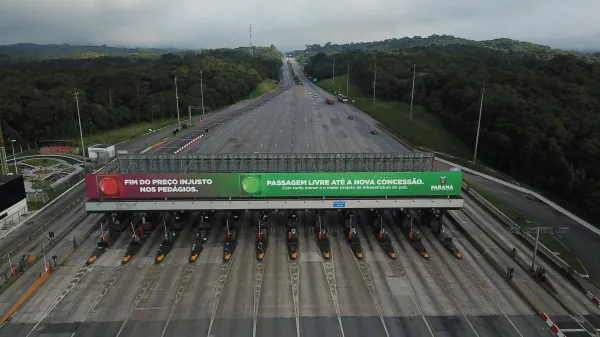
219,185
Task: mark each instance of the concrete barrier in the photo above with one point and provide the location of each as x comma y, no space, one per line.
495,264
545,253
502,272
33,288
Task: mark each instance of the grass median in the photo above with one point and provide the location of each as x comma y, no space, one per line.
129,132
547,239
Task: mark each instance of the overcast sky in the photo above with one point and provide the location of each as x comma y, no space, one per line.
290,24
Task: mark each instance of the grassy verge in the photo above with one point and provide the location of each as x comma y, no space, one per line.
129,132
263,87
68,170
40,184
423,130
547,239
11,169
40,162
22,154
294,76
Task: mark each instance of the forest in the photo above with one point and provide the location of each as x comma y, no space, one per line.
541,117
31,52
503,45
37,97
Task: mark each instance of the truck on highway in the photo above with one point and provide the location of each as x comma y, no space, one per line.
330,100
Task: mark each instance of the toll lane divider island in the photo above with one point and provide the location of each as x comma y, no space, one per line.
248,185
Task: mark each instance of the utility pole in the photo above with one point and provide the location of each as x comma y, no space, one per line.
202,87
177,100
374,81
251,51
347,77
412,95
478,126
80,130
12,143
91,133
334,70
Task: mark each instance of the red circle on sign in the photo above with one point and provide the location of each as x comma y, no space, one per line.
108,186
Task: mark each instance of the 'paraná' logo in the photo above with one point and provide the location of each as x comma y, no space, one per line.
442,186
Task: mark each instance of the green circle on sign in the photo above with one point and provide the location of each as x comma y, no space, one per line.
251,185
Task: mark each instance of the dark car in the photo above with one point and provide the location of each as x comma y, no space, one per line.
374,132
350,117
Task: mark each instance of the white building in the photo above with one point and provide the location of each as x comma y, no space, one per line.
101,151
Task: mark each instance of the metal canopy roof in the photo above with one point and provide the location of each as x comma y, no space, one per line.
277,204
274,162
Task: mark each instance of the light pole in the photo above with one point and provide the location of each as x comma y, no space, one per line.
412,95
80,130
177,102
12,143
478,127
374,81
91,133
347,77
202,92
334,70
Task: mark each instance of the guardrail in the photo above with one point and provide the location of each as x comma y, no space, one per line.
508,223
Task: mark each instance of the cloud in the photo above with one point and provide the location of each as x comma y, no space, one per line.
290,24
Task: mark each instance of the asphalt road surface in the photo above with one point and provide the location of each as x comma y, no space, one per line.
312,297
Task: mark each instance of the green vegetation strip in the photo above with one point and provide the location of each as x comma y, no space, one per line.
422,130
294,76
129,132
40,162
40,184
264,87
547,239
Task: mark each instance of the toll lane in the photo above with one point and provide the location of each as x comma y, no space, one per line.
276,311
235,311
317,312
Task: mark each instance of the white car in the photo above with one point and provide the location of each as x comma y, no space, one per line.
308,94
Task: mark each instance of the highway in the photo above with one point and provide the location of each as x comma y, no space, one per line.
311,297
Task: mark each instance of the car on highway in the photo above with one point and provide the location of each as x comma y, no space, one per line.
373,132
351,117
308,94
315,96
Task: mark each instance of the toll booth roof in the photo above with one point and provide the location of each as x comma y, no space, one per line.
101,146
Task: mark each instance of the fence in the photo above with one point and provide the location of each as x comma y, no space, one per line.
38,199
13,219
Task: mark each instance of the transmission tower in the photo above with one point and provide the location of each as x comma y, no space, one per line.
251,51
3,161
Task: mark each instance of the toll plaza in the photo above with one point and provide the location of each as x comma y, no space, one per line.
138,183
